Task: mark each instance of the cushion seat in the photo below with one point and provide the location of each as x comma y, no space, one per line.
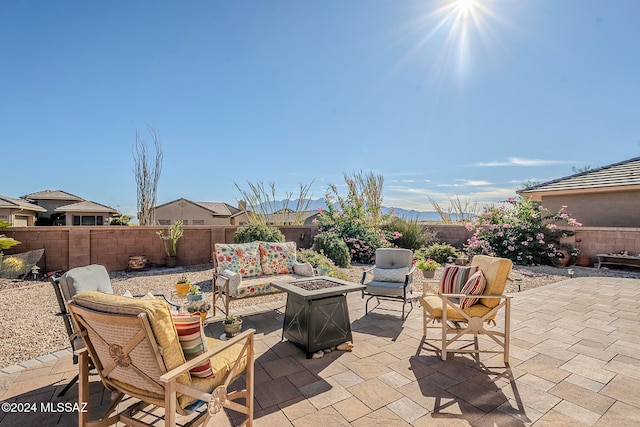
386,288
433,305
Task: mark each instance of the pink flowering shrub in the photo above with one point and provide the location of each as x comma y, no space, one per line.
522,231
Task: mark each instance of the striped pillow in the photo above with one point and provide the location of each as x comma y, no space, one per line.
455,277
191,336
474,286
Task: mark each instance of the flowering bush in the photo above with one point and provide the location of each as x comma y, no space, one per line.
357,223
522,231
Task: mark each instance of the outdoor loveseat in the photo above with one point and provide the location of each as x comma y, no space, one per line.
244,270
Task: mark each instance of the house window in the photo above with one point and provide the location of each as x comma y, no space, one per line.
164,222
185,222
198,222
88,220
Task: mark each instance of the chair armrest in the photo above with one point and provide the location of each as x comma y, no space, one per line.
218,276
364,274
185,367
474,295
407,278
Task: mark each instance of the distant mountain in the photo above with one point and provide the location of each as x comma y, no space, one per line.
314,204
412,214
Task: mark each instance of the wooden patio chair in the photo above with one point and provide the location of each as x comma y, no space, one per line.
136,349
92,277
474,316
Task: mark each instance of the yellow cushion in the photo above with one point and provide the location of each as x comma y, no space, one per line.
433,305
221,364
496,271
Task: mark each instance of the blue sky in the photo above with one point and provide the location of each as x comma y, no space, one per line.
441,99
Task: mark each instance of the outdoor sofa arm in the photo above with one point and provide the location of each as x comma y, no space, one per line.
303,269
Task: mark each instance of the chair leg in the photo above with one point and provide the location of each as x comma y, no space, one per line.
69,385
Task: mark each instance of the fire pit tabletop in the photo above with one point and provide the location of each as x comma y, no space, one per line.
317,287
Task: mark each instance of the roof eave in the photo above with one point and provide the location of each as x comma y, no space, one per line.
537,195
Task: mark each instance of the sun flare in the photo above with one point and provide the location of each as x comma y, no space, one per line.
453,33
465,7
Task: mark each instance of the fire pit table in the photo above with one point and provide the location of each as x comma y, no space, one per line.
316,316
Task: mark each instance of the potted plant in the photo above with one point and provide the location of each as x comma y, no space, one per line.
232,325
195,293
170,242
183,285
201,307
323,267
428,267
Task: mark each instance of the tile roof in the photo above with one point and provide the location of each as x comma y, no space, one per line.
622,174
218,208
52,195
11,203
86,206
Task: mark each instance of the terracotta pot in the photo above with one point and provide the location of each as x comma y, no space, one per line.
136,262
428,274
563,258
182,289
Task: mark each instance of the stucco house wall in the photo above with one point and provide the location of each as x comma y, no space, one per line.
199,213
608,196
605,209
189,213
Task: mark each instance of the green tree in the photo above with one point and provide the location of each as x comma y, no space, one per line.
121,220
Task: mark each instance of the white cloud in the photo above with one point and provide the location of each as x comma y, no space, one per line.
517,161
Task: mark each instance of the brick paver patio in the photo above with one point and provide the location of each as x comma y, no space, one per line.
575,359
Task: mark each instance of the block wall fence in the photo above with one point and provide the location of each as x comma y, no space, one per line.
111,246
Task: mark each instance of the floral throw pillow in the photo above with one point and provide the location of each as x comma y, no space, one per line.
240,258
277,258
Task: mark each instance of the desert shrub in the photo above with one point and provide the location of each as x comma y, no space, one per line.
522,231
357,217
253,232
408,233
333,247
320,260
439,252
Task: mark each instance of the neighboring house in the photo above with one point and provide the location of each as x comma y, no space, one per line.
86,213
200,213
608,196
62,208
290,217
18,212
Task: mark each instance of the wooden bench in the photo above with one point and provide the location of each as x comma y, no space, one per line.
618,259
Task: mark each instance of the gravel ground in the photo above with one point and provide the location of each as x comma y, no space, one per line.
30,327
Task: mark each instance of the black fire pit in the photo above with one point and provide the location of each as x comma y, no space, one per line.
317,316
